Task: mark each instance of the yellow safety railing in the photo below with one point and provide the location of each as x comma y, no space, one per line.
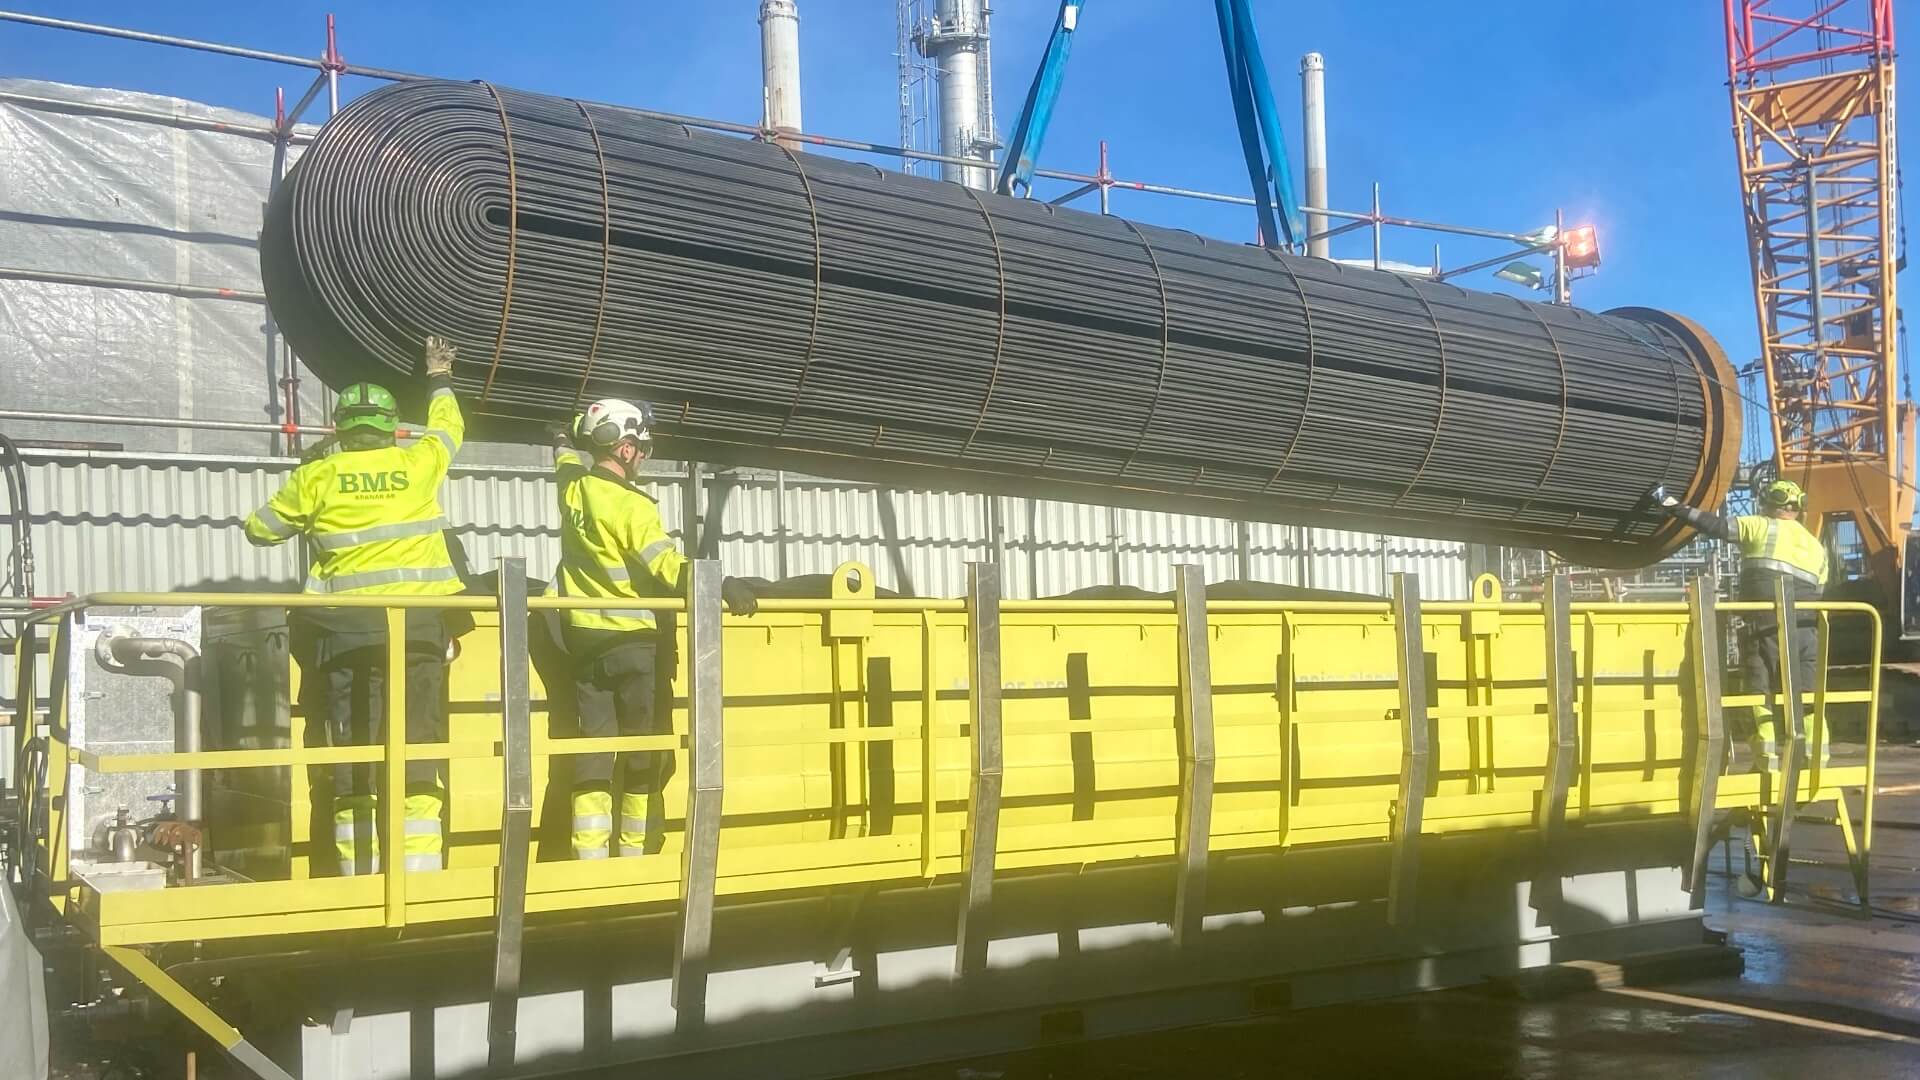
1475,708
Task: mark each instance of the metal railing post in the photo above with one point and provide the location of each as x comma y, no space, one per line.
1710,729
1410,661
700,859
1563,732
516,817
983,796
393,800
1196,751
1788,736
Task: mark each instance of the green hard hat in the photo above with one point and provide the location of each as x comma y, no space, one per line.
1784,493
366,405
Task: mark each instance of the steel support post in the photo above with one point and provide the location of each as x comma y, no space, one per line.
1195,826
1563,733
699,861
1410,662
516,819
1710,730
1789,736
983,796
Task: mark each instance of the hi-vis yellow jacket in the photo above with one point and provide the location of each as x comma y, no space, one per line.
612,547
373,516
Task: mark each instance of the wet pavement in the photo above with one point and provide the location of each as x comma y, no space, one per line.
1829,993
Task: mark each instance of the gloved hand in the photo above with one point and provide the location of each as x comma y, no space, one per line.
439,358
560,433
1662,499
738,596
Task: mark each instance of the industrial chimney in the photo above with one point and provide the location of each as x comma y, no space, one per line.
780,68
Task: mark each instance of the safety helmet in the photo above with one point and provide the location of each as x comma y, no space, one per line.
1784,493
366,405
609,421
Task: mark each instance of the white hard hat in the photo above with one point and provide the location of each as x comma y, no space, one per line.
610,420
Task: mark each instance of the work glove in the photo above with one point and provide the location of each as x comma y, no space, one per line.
1663,500
439,358
738,596
560,433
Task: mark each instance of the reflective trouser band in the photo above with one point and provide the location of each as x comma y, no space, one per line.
341,583
349,868
592,823
424,838
400,530
633,822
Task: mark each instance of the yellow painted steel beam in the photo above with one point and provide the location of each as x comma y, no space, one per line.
196,1012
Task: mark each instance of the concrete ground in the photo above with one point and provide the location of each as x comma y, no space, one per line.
1828,993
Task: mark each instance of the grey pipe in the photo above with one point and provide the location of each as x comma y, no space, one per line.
1313,109
178,662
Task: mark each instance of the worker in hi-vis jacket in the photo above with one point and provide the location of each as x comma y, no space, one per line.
614,547
370,511
1774,547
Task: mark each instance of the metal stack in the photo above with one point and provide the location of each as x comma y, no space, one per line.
778,310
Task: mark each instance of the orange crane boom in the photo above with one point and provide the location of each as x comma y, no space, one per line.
1812,85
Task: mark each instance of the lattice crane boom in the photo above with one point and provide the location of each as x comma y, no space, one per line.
1812,86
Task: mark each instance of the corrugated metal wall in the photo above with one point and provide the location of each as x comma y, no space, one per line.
160,522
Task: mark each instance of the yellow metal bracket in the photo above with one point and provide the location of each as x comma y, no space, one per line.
852,580
197,1012
1483,618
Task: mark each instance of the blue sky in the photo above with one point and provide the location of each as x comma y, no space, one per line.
1490,114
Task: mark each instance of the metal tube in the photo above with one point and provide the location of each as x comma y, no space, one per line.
177,423
123,112
1377,221
191,292
178,662
955,46
204,46
1313,110
1562,288
780,68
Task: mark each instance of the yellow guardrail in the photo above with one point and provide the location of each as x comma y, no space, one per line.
1332,728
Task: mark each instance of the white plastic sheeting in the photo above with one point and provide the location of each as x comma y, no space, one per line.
23,997
134,199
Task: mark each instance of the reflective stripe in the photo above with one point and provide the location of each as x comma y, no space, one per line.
653,551
348,867
349,582
446,438
274,524
617,573
633,824
400,531
440,392
583,822
343,831
628,851
1785,569
590,852
427,861
428,827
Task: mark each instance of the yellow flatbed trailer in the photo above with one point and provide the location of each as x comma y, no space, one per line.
901,830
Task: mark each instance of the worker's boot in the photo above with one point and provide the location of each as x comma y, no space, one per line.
633,823
592,823
425,834
356,834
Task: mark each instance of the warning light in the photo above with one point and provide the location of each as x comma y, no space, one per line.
1583,248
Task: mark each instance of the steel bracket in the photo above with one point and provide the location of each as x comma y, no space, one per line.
699,862
1196,751
516,817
